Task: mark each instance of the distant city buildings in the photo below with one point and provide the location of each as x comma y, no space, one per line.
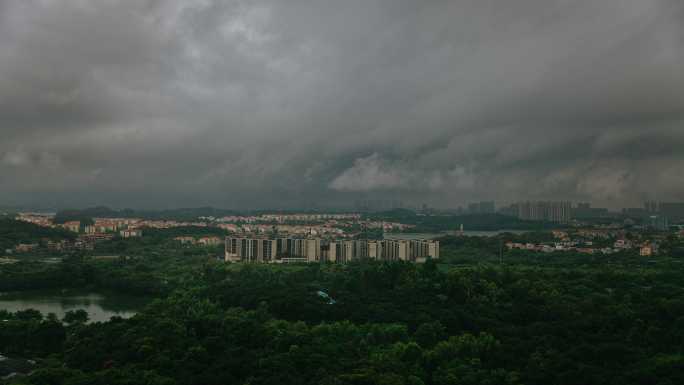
672,210
564,211
317,237
549,211
656,214
658,222
283,218
651,207
510,210
585,211
635,212
483,207
284,250
379,204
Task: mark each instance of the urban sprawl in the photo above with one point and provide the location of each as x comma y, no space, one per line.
342,237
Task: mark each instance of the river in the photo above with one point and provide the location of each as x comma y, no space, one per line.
100,307
411,236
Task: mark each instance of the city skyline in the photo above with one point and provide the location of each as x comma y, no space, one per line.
511,208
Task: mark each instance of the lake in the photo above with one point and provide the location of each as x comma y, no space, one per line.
410,236
476,233
100,307
467,233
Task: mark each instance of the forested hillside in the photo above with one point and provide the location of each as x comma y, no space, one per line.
365,323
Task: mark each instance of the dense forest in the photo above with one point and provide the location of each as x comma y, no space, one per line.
524,320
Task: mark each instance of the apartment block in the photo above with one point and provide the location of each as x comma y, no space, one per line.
288,250
545,211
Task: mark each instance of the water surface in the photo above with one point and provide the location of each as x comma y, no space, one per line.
100,307
468,233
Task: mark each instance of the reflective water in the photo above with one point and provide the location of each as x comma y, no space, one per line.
468,233
100,307
411,236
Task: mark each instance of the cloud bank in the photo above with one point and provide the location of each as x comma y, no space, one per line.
271,103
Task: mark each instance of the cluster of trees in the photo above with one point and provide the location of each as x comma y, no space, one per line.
535,319
186,339
13,232
389,323
191,231
30,333
129,275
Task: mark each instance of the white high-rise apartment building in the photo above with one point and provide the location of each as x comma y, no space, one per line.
284,250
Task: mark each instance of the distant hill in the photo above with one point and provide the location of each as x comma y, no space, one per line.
173,214
86,214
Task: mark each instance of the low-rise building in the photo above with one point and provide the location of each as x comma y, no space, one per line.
74,226
185,240
209,241
25,247
56,245
97,237
648,249
622,244
131,233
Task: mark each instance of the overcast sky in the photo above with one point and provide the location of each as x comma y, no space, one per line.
290,103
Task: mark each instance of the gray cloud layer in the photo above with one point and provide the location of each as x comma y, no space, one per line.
264,103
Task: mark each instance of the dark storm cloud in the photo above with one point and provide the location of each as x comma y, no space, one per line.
264,102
